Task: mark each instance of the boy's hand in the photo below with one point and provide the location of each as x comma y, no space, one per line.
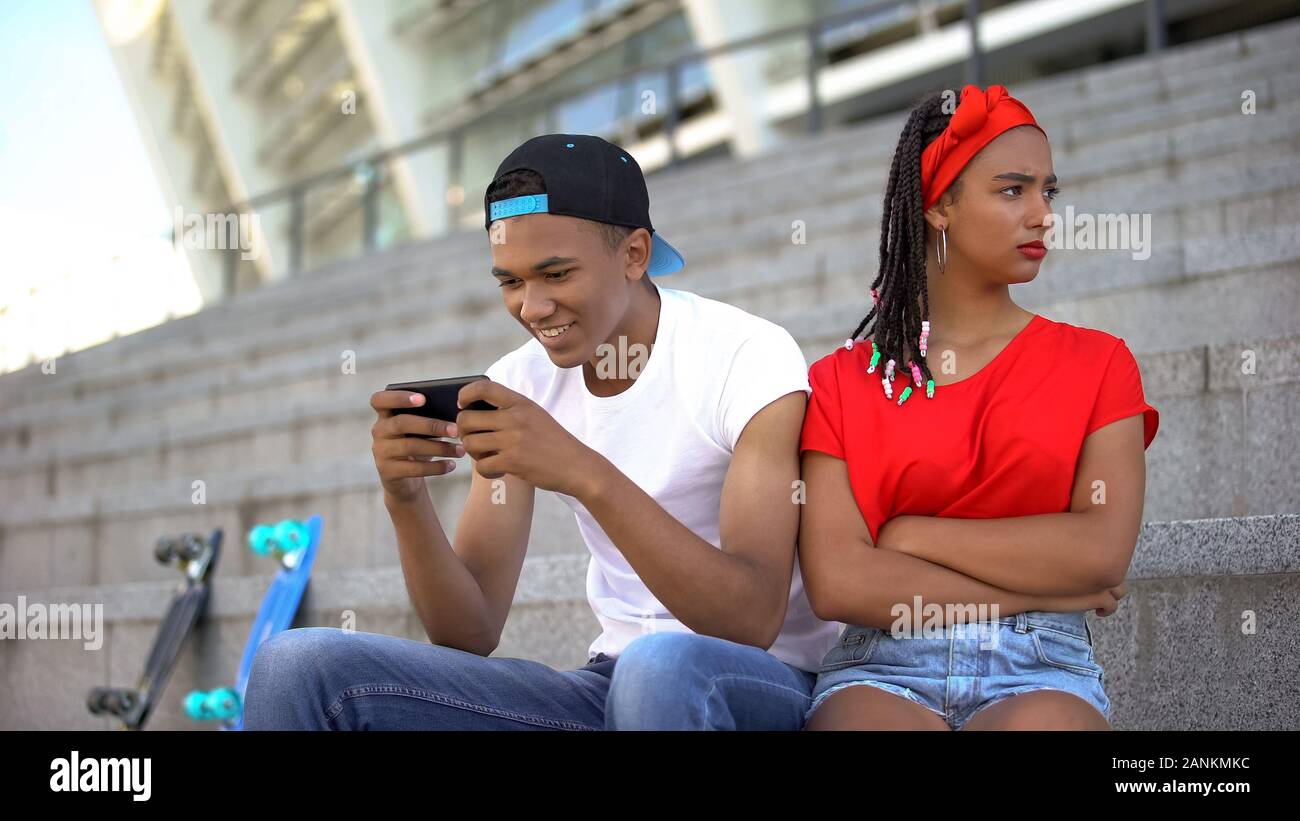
403,453
522,439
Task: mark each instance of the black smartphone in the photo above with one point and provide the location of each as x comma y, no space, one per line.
439,397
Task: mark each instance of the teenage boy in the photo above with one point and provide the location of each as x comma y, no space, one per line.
668,422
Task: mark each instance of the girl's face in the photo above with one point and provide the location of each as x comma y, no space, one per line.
1004,201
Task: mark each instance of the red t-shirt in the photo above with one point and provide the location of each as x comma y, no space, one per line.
1002,442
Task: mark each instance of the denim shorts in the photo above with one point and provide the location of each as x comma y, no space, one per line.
966,667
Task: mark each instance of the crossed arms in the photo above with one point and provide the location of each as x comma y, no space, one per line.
1059,561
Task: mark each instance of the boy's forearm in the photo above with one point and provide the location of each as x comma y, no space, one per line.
706,589
444,593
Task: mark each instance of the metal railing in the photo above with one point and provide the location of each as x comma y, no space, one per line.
452,134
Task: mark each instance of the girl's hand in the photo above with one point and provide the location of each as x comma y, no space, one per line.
1103,603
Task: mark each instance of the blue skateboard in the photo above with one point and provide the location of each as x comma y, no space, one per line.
293,544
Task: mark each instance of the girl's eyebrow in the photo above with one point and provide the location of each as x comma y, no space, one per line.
1017,177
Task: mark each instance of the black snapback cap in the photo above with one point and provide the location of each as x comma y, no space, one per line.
585,177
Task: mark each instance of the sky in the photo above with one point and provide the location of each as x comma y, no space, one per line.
82,218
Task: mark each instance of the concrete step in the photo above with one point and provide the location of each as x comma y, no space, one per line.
46,681
1089,134
1206,638
837,242
1214,456
1208,599
1121,297
1080,96
784,291
95,538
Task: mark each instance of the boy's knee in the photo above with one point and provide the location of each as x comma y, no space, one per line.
658,680
293,650
671,656
283,673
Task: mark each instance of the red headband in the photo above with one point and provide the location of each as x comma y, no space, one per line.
980,116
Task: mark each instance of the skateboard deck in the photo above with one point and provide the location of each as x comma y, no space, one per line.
196,557
293,544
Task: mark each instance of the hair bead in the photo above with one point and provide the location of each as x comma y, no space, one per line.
916,372
904,331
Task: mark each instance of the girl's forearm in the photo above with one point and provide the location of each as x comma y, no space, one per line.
875,587
1054,554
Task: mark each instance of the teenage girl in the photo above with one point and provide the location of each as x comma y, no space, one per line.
974,472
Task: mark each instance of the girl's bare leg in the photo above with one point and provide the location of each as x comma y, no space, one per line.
863,707
1039,710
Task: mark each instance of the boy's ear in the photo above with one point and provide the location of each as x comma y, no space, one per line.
636,253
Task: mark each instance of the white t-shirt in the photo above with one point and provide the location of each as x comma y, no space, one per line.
673,432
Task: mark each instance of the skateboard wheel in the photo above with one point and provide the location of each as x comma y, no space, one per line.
223,704
119,702
291,534
95,699
259,539
194,703
164,550
192,546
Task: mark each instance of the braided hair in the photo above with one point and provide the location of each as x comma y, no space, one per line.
904,299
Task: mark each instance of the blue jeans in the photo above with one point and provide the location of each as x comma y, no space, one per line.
322,678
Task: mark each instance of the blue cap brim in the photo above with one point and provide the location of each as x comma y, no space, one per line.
664,258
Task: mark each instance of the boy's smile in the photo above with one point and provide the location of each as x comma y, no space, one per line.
562,282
